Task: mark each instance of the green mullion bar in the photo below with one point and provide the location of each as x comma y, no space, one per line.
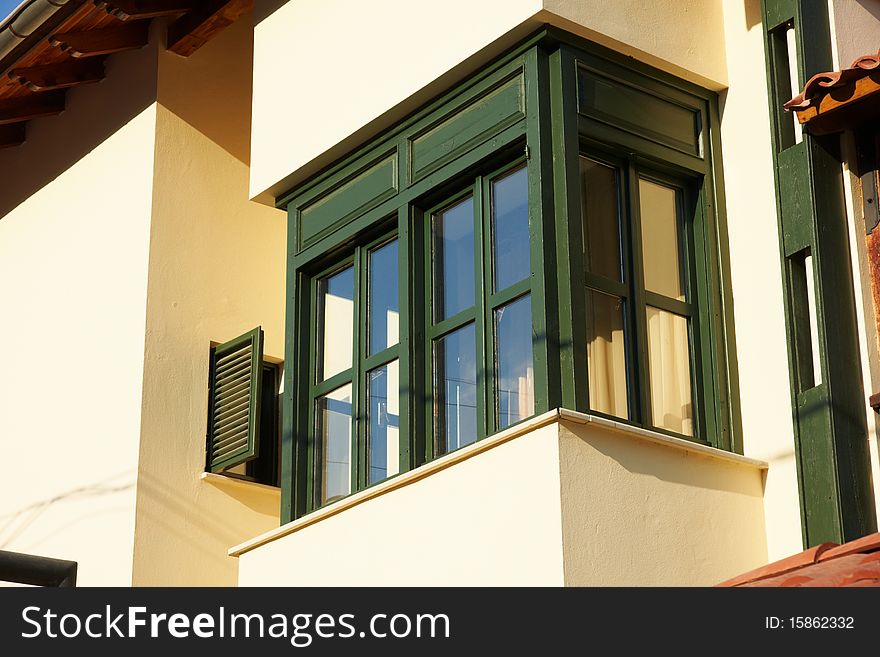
567,215
358,396
509,294
314,447
606,285
671,305
637,306
406,374
334,382
379,359
450,324
482,273
542,254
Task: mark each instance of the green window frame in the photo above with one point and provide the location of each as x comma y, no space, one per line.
539,111
356,376
481,314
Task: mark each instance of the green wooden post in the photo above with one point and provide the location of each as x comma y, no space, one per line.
829,410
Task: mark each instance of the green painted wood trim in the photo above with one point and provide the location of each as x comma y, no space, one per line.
829,418
548,135
252,341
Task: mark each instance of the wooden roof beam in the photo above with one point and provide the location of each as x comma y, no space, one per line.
60,75
193,30
105,41
32,106
126,10
12,134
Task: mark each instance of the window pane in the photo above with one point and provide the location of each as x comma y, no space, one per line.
454,259
606,354
384,309
669,365
601,217
334,428
336,323
514,370
660,239
455,389
510,228
383,437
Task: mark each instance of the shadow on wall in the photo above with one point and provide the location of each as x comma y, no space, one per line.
14,524
93,113
196,534
663,463
212,89
752,13
262,10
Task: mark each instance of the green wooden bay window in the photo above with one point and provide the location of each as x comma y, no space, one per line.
545,235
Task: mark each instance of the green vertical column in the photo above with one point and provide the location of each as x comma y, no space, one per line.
827,397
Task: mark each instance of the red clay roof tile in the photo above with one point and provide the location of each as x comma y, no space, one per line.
856,563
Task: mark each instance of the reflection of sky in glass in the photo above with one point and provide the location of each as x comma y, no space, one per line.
510,227
384,308
335,419
456,388
384,422
515,372
454,259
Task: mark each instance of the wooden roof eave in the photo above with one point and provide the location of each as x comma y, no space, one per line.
843,107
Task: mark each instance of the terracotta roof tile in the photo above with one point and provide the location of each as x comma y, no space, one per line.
856,563
788,564
822,83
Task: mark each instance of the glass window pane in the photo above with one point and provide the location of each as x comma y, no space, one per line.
383,429
669,371
601,218
336,323
660,239
384,311
334,430
606,354
514,369
454,259
455,389
510,228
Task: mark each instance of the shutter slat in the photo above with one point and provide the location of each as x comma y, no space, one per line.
230,417
228,397
227,450
233,374
235,399
224,360
231,438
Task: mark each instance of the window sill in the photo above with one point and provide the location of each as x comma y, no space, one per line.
561,415
231,484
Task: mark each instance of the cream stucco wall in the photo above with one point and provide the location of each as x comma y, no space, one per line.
323,85
216,270
75,207
756,274
562,499
636,512
485,521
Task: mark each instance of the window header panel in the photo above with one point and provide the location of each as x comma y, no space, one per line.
439,142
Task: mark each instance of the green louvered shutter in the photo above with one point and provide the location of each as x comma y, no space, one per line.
234,401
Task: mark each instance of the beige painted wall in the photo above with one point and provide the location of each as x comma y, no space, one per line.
358,83
491,520
216,270
75,204
640,513
756,277
549,502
